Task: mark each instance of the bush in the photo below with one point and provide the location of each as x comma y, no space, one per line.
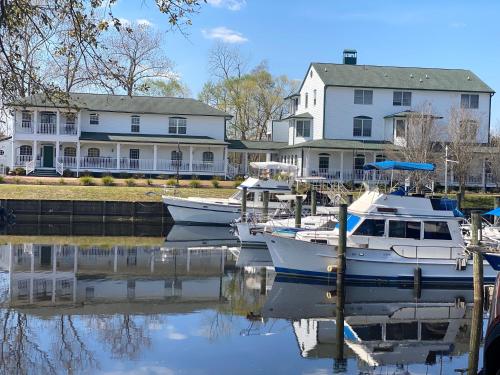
237,181
62,181
86,173
195,184
86,180
171,182
130,182
67,173
108,181
123,175
149,181
2,179
39,182
19,171
215,183
17,180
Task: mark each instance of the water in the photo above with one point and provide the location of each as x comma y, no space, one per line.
133,305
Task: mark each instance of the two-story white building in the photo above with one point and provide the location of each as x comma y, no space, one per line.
118,134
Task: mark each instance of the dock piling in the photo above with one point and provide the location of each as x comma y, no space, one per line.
313,201
497,205
298,211
341,265
244,203
265,205
475,224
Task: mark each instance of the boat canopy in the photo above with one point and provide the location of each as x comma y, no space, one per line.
273,165
495,212
399,166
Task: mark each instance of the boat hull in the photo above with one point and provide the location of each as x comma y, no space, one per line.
188,212
314,260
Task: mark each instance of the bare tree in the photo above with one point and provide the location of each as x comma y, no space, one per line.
161,87
134,55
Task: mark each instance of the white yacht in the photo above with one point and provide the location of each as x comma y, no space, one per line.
271,176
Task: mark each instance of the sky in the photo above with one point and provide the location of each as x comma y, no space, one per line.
289,35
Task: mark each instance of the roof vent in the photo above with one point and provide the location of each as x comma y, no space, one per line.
421,80
426,76
468,78
350,56
326,70
386,75
411,75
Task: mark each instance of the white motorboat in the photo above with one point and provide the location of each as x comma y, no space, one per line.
187,236
217,211
389,238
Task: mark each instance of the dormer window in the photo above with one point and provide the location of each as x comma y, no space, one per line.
94,119
177,125
135,124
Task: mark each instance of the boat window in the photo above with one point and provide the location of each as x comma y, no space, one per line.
434,331
352,221
250,196
402,331
371,227
404,229
369,332
436,230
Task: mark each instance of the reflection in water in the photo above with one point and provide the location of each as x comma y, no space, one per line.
162,309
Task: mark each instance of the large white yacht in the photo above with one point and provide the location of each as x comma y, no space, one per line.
274,177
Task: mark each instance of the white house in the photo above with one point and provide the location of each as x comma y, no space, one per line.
115,133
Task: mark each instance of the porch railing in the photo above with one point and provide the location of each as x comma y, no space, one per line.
46,128
24,127
68,129
30,166
59,168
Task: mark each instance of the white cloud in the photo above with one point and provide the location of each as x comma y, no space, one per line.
233,5
224,34
144,370
173,335
124,21
144,22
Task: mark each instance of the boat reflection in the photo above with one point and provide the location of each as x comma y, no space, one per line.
384,326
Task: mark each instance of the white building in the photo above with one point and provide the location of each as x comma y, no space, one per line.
114,133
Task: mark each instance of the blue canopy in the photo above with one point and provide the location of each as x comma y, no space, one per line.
495,212
399,166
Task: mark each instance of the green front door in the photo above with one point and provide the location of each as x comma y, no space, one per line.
48,157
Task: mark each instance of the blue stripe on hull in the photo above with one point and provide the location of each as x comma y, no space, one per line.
384,279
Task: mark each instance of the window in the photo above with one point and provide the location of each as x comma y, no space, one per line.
177,125
324,162
134,153
303,128
379,158
404,229
436,230
208,157
363,96
48,118
93,152
400,128
311,73
314,96
362,127
434,331
2,152
135,123
70,119
369,332
469,101
94,119
70,151
401,331
371,227
25,150
26,119
401,98
359,161
176,155
306,100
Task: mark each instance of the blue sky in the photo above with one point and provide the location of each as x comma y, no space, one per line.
291,34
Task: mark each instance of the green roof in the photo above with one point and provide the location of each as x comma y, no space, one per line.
345,144
149,138
299,115
394,77
127,104
409,112
236,144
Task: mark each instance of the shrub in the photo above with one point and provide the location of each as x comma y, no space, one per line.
237,181
39,182
130,182
138,176
86,173
149,181
215,182
108,181
195,184
62,181
67,173
2,179
123,175
86,180
19,171
17,180
171,182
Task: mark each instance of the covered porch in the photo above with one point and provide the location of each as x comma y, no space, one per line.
242,153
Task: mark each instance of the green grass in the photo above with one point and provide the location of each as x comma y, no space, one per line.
98,193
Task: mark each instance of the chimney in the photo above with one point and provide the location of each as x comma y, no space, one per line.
350,56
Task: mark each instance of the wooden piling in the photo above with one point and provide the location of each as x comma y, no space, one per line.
475,223
265,205
341,264
313,201
477,314
298,211
350,199
417,282
244,203
496,221
459,201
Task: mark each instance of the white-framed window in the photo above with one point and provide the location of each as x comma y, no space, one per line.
324,162
314,95
70,119
135,123
25,150
363,96
400,128
134,153
362,126
469,101
94,119
303,128
2,152
93,152
208,157
70,151
401,98
177,125
26,119
306,101
359,161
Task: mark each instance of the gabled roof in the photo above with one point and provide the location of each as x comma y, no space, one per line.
126,104
299,115
409,112
237,144
394,77
345,144
149,138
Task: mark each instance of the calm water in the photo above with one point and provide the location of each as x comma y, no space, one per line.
130,305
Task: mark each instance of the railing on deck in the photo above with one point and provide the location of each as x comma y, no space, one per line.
25,127
59,168
30,166
68,129
47,128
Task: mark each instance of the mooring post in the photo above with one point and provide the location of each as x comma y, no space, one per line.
496,221
244,203
313,201
459,201
475,223
417,282
263,281
341,264
265,205
298,211
350,199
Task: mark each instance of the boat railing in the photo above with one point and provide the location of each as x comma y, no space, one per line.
429,252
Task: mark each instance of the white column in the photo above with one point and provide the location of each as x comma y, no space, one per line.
77,158
374,175
188,262
54,270
190,158
118,155
341,166
79,123
152,265
35,121
13,154
58,121
32,272
268,156
155,157
115,260
34,151
225,157
57,150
